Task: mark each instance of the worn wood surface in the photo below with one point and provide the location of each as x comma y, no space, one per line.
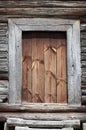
26,68
15,51
27,128
37,68
84,126
42,107
62,87
43,3
42,116
43,124
60,9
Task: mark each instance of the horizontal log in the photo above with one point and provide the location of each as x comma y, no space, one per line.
83,27
43,116
84,100
4,18
4,75
84,92
83,49
43,11
3,91
83,87
83,42
3,83
43,124
27,128
3,55
43,3
3,98
83,63
43,108
83,35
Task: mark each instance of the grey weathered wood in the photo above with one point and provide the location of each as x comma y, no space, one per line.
5,126
84,126
43,124
84,99
14,63
3,83
42,116
3,91
73,64
3,50
16,26
27,128
43,11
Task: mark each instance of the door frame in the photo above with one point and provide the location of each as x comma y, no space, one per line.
72,29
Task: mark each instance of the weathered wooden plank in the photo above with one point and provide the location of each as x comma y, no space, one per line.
43,11
61,72
3,51
83,42
27,128
43,116
15,74
41,71
74,78
84,92
4,18
84,99
6,126
43,124
83,86
3,98
84,126
41,107
26,68
83,35
3,91
50,71
83,27
37,68
42,3
3,83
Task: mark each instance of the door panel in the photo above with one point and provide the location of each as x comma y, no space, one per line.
44,77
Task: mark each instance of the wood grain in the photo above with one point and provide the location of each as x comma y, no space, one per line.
37,69
26,68
61,71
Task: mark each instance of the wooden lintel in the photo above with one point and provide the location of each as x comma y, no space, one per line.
41,108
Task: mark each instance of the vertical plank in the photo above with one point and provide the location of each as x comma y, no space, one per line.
37,69
50,70
26,68
15,67
74,64
61,72
84,126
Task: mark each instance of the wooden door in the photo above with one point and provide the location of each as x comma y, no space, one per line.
44,76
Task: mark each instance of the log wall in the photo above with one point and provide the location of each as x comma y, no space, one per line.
54,9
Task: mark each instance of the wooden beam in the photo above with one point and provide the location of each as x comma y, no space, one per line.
27,128
42,116
43,3
43,124
43,108
43,11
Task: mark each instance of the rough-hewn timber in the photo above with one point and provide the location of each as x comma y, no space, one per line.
56,9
